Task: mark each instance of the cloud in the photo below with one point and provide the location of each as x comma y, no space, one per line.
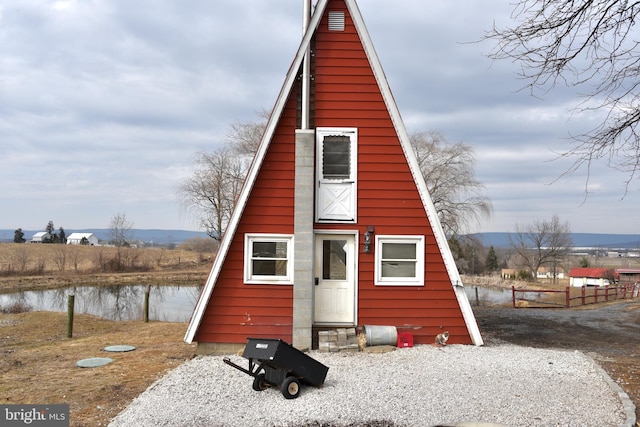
104,103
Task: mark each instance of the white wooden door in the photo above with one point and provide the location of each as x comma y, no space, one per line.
336,200
336,174
335,279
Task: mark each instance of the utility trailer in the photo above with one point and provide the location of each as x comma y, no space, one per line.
275,363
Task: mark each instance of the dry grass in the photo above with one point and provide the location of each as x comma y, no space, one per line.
39,259
29,266
38,363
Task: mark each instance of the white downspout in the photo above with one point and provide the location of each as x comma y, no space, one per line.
305,67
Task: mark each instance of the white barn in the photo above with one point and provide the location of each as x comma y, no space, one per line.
76,239
40,237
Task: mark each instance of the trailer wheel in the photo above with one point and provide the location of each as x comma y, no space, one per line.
290,388
259,383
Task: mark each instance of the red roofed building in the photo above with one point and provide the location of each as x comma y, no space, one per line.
579,277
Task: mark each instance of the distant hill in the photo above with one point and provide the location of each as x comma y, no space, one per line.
495,239
582,240
159,237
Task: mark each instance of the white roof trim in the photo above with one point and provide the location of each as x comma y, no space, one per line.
227,238
430,209
441,239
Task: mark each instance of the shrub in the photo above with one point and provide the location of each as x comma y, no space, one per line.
524,275
15,308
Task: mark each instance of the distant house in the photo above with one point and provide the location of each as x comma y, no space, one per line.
547,273
76,239
509,273
40,237
579,277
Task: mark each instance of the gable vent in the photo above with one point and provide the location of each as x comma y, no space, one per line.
336,21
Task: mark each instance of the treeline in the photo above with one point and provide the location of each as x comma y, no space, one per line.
472,257
51,236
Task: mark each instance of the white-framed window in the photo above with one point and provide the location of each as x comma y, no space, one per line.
268,259
399,261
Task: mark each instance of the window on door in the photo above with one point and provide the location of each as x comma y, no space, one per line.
268,259
399,261
334,260
336,174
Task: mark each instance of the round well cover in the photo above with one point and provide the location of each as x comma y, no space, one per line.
93,362
119,348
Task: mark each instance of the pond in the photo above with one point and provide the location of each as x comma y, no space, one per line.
123,302
166,303
480,295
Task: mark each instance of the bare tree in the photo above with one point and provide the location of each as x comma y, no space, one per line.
211,192
542,243
590,44
120,235
120,230
60,256
449,171
74,255
21,257
245,137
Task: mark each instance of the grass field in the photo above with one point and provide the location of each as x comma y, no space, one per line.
29,266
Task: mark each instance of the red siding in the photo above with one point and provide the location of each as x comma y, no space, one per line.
346,95
235,310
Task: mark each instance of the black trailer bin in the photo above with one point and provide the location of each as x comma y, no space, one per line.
273,362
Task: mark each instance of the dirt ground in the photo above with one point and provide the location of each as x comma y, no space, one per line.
609,333
38,362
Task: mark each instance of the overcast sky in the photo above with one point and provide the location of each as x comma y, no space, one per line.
104,103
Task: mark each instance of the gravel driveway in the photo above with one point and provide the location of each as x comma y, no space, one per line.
421,386
609,333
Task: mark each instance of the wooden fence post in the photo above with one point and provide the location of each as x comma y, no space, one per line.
568,297
146,304
584,296
513,295
70,304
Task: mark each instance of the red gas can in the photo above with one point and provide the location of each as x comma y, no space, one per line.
405,339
